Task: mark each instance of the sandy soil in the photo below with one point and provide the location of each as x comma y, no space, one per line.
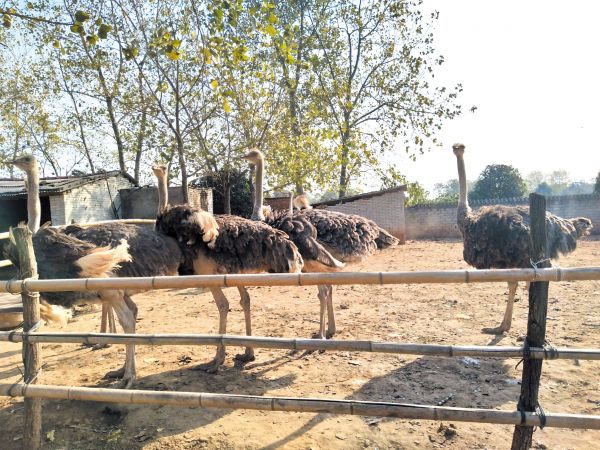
403,313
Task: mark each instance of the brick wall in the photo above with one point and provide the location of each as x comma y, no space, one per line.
386,209
278,202
439,221
89,203
142,203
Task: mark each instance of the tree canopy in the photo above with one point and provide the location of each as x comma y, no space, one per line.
328,89
498,181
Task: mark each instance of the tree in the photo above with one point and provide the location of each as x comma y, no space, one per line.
534,179
597,185
498,181
374,66
238,185
544,189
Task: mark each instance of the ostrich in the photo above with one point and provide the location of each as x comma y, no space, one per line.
346,237
497,237
300,231
226,244
152,254
61,256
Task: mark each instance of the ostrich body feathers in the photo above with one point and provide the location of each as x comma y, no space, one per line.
497,237
152,254
348,237
241,246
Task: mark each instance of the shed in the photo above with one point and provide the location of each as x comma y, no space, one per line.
141,203
385,207
85,198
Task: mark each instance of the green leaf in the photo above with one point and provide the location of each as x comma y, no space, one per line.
272,18
81,16
92,39
104,30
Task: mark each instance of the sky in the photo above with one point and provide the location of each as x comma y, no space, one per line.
532,68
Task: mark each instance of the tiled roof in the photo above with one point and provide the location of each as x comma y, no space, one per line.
352,198
52,186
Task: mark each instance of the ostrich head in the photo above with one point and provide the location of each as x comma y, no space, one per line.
254,156
301,202
26,163
458,149
160,171
583,225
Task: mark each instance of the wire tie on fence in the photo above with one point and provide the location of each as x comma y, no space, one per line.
550,351
225,280
535,266
381,278
526,352
467,275
542,415
522,411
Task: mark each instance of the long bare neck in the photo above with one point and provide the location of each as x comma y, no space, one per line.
34,208
163,193
257,212
463,203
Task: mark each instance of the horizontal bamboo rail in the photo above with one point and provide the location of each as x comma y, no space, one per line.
4,235
304,279
304,344
293,404
104,222
5,263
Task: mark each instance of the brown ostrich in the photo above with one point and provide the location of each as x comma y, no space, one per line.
300,231
497,237
348,238
61,256
225,244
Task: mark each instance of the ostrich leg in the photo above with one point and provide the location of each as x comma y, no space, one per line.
506,322
108,318
120,302
330,313
248,354
323,304
223,305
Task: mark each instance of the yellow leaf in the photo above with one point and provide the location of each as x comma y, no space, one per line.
214,84
270,30
226,106
50,435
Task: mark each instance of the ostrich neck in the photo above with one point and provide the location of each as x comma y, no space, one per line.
163,193
34,208
257,213
463,204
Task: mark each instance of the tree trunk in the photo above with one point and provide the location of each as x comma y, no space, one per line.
227,197
184,178
344,169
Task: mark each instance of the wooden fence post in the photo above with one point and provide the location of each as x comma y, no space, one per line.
32,363
536,321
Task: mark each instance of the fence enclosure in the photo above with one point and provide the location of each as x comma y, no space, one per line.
534,351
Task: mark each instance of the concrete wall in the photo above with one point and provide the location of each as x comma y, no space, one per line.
439,221
142,203
89,203
387,210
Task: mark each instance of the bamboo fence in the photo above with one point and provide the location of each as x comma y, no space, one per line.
308,405
305,344
103,222
304,279
5,262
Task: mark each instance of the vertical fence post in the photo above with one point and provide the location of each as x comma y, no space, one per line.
32,363
536,321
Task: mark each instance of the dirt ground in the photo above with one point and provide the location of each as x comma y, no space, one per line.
452,313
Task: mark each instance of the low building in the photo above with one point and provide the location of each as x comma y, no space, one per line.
86,198
280,200
385,207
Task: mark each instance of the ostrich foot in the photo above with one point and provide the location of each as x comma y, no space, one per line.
100,346
245,357
498,330
119,373
330,334
213,365
317,335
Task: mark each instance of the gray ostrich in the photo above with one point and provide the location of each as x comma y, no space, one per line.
497,237
62,256
300,231
348,238
225,244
